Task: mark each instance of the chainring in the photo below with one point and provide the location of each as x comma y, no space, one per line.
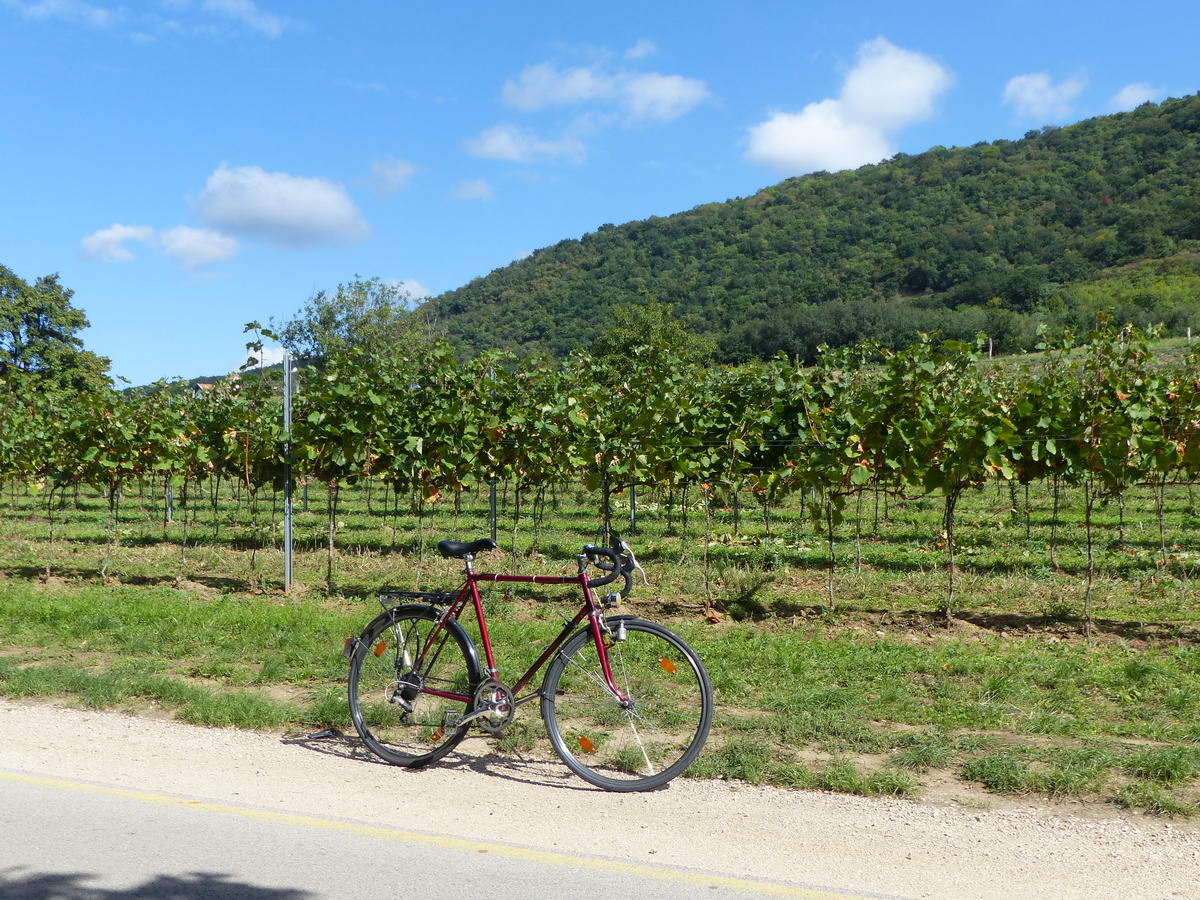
494,696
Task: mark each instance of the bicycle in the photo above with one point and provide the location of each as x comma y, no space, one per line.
627,704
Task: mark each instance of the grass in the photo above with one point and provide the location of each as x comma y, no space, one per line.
875,696
755,763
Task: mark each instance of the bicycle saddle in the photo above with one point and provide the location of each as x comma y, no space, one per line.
459,549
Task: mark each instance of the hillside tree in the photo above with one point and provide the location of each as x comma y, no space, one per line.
39,336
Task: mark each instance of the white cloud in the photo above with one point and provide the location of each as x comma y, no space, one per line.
1035,96
477,189
391,174
641,49
662,97
887,89
288,210
66,10
247,13
1134,95
148,25
546,85
268,356
818,137
511,143
195,247
643,95
411,288
272,355
890,87
109,243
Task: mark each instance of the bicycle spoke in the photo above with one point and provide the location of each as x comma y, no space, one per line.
642,747
643,740
391,703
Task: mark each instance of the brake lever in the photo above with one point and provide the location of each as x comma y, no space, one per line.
634,564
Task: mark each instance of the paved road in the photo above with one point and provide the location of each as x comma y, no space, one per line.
102,805
71,839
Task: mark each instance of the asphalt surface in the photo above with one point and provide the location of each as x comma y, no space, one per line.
70,839
104,805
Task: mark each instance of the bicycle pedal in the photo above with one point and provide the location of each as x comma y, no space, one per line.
452,720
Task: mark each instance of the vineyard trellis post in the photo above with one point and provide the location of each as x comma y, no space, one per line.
287,476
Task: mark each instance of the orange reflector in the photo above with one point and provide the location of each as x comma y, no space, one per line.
437,735
667,665
380,647
587,745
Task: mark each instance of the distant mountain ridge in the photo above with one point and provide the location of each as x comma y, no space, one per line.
996,237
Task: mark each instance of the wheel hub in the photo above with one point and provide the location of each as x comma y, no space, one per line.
405,690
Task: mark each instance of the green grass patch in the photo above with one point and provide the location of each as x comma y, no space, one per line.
755,763
1153,798
1166,765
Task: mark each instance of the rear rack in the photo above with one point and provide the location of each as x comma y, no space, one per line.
435,598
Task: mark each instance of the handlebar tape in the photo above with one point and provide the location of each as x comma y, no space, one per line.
592,552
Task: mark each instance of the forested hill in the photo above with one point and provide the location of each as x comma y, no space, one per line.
993,237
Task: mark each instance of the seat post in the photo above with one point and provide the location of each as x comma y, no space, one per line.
469,558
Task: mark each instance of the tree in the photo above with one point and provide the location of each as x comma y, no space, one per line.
651,331
39,335
367,314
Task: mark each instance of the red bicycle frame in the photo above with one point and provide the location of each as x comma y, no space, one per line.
470,592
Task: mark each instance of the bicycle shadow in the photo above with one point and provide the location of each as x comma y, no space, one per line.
518,768
478,758
333,743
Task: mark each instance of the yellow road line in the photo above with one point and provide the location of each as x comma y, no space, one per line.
546,857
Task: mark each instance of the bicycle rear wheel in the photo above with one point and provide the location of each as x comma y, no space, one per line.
646,741
410,684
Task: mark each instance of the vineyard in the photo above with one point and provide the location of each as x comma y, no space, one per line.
941,563
1096,422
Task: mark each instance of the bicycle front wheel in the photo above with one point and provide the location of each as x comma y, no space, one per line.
650,734
411,681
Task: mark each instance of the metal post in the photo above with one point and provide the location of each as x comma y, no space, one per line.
633,509
287,477
170,505
492,506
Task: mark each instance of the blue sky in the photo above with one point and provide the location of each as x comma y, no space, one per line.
190,165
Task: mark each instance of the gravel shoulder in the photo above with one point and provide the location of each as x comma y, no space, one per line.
890,847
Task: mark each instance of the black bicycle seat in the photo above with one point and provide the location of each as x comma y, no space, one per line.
458,549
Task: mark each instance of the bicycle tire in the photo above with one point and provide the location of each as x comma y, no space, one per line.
383,680
628,749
